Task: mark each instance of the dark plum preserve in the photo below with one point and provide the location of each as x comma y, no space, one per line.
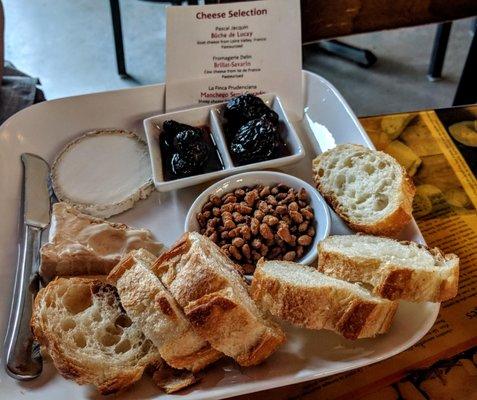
252,130
187,150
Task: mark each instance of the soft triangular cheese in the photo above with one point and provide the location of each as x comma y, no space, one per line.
83,245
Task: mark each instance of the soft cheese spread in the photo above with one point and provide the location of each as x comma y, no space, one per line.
80,244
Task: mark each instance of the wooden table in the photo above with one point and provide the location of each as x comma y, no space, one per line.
324,19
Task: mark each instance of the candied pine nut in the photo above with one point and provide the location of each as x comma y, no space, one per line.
282,209
302,194
238,217
256,255
246,251
304,240
307,213
238,242
293,206
275,252
272,200
215,200
254,226
265,192
256,243
259,214
270,220
251,197
285,235
283,188
263,206
227,207
265,231
207,206
263,250
299,251
230,199
296,217
239,192
243,209
246,232
235,252
289,256
214,237
303,226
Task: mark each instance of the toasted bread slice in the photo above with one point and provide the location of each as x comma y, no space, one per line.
368,189
150,305
81,323
172,380
307,298
397,270
83,245
216,301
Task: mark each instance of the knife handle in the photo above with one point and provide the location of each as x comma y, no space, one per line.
23,360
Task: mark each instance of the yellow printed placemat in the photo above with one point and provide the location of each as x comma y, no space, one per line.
439,150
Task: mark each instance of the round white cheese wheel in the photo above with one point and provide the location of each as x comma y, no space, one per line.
103,173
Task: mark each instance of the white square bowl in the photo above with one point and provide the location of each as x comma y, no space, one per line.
211,116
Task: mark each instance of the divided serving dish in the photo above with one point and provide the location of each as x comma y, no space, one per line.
45,128
212,117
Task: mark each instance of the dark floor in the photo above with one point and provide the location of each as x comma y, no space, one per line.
69,46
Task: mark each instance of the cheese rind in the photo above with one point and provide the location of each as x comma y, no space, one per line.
81,245
103,173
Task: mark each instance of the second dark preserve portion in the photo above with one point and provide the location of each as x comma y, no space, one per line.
187,151
252,130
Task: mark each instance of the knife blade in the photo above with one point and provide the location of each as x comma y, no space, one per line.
22,358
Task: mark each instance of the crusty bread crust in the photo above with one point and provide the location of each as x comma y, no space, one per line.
325,307
172,380
71,367
220,309
166,325
391,224
66,254
395,282
216,301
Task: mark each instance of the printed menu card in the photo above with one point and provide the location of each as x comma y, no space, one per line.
216,52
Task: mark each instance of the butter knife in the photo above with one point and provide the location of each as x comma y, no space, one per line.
22,359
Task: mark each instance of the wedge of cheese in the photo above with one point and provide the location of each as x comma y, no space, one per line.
83,245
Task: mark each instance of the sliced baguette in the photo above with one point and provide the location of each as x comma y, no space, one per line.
81,323
397,270
83,245
307,298
150,305
172,380
368,189
216,301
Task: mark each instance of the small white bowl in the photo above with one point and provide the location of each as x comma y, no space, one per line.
320,208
